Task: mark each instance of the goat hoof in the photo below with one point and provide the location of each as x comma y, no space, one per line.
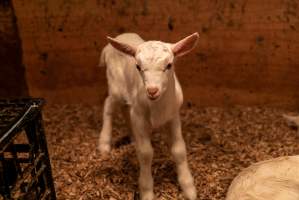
190,193
148,196
104,149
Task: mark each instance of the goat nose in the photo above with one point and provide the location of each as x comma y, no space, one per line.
152,90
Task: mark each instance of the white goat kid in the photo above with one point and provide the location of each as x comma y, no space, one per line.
275,179
141,75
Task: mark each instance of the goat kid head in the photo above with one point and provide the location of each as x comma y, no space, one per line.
154,61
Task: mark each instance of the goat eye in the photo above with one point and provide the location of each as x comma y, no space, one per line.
169,66
138,67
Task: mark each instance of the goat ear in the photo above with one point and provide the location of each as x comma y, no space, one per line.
125,48
185,45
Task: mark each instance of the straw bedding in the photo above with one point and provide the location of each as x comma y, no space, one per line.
220,143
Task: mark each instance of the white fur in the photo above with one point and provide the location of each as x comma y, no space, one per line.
275,179
128,86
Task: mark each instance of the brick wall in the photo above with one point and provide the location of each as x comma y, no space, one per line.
247,54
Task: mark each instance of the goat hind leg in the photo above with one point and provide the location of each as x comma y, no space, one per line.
126,114
105,135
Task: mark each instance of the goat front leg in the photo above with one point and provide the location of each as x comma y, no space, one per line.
105,135
178,151
144,152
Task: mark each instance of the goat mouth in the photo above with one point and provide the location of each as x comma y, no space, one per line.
153,97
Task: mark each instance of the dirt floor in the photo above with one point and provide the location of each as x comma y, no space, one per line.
220,142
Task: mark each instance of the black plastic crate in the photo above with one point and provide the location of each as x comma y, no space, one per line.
25,170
